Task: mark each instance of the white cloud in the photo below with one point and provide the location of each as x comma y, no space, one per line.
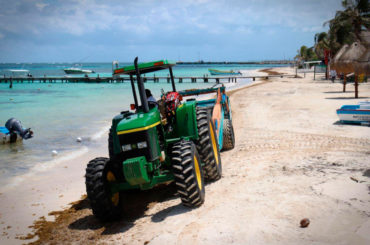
146,17
1,36
41,6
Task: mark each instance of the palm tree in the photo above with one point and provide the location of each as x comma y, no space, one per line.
347,25
321,44
310,54
305,54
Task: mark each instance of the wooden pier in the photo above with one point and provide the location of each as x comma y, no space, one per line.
205,79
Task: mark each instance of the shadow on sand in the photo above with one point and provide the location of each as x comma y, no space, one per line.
78,224
351,124
339,92
133,208
170,211
346,98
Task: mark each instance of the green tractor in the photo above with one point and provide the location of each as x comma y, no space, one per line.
158,143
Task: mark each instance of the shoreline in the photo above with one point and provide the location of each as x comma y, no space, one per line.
42,190
60,158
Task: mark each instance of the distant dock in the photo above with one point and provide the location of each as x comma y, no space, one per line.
268,62
205,79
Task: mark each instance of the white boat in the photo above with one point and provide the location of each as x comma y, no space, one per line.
19,72
76,70
215,72
355,113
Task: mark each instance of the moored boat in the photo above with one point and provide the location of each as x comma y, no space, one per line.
218,72
18,72
355,113
76,70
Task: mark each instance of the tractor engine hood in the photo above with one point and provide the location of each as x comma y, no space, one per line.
139,122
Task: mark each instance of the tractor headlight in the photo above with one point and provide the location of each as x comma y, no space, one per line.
142,145
126,147
139,145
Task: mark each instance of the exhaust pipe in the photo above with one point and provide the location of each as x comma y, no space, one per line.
140,84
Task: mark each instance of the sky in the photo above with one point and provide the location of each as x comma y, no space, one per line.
186,30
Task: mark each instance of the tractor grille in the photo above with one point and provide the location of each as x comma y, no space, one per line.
133,139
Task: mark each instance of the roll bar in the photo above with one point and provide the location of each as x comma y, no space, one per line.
140,84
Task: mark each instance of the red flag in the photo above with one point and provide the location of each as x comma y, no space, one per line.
326,54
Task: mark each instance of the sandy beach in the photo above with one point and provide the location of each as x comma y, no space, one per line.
292,160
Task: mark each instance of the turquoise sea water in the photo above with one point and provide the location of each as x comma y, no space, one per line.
105,69
58,113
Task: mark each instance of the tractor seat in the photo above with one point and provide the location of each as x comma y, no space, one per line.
152,104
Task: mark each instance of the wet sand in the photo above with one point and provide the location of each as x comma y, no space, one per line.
292,160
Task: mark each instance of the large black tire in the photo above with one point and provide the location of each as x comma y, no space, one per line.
105,205
110,143
188,173
207,146
228,135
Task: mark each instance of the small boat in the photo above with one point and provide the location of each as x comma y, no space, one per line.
19,72
7,137
76,70
355,113
218,72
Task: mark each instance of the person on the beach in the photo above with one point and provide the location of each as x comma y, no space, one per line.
341,76
333,74
15,126
150,98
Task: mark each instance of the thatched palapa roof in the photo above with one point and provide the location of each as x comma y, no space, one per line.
354,58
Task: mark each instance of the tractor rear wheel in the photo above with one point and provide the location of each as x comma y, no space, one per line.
188,173
208,146
228,135
105,204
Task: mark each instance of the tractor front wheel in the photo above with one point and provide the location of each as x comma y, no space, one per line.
188,173
105,204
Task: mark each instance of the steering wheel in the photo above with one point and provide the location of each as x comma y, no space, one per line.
152,104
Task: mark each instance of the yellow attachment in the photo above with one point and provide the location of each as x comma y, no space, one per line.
217,114
197,172
214,144
115,196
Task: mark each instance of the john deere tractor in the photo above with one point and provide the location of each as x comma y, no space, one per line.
155,143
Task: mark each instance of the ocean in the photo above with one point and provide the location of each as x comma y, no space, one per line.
59,113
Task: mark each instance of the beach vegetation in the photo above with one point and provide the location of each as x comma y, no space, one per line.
321,44
306,54
344,28
347,25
